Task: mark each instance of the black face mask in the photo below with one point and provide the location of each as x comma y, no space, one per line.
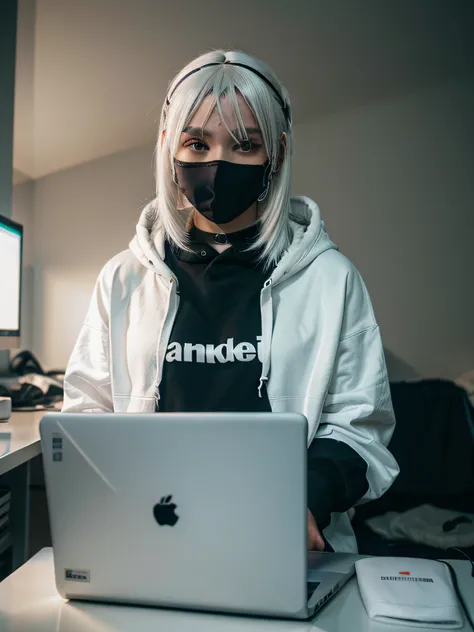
220,190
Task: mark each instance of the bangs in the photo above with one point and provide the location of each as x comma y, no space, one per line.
231,81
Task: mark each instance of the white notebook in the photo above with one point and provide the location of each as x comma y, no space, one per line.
409,591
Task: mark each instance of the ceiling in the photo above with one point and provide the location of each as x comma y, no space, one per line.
92,74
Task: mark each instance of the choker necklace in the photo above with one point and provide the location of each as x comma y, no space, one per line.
220,238
238,237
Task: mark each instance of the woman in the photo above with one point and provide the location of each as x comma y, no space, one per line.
231,296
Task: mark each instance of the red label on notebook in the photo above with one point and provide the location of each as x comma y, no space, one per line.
403,573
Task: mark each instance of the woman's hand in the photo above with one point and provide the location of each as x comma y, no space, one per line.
315,540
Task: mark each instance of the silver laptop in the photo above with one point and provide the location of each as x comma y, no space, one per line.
195,511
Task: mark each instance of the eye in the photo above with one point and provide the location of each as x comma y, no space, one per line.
246,146
196,145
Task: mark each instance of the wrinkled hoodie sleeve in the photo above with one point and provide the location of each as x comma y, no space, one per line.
87,383
348,460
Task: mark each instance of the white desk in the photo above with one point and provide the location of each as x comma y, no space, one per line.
29,603
19,440
19,443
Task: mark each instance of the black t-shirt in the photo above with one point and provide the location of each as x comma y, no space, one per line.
213,359
212,362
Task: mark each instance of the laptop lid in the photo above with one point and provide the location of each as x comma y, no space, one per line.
202,511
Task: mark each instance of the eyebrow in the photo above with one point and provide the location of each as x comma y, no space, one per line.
200,133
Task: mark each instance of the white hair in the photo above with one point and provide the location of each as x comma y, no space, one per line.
220,80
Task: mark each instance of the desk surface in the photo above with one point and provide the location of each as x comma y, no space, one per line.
29,602
19,439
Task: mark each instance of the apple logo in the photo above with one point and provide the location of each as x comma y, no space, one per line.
164,512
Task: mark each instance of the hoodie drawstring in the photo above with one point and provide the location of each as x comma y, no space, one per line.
266,308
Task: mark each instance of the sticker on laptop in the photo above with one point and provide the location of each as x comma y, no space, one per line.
57,446
75,575
57,441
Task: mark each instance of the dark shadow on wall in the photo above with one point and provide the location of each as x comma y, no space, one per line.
399,370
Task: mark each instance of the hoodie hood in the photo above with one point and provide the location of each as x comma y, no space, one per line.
310,239
149,249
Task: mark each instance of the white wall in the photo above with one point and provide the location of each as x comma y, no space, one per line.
83,216
23,146
8,24
394,182
23,212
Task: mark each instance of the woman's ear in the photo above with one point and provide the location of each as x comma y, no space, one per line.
282,154
163,134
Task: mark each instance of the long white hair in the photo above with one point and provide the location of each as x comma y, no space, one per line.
220,80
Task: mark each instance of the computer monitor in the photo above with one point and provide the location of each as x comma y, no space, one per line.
11,253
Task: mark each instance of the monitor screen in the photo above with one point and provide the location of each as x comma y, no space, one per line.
11,238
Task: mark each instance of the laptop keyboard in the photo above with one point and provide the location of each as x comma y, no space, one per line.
310,588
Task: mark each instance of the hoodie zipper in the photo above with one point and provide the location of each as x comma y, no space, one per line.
266,311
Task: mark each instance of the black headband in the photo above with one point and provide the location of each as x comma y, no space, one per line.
285,108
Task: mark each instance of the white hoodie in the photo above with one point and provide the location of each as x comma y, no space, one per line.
322,350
